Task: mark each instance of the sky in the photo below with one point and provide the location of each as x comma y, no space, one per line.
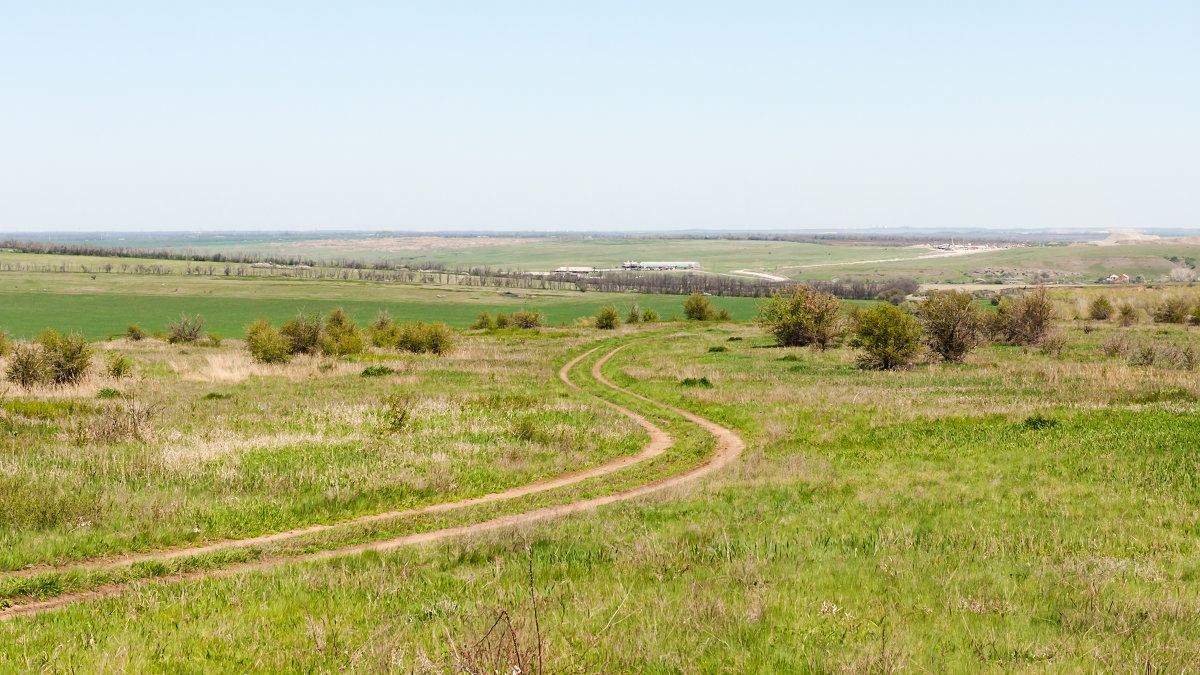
622,116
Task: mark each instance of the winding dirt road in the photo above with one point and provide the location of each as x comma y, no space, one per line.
729,447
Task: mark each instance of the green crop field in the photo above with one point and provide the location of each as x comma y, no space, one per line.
1033,508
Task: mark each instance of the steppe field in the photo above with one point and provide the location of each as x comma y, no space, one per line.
672,496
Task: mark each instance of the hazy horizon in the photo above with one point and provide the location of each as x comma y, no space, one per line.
763,117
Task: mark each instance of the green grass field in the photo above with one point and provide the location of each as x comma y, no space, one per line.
107,304
1021,511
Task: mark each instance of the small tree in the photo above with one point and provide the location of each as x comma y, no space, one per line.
1172,310
698,308
483,321
1101,309
68,357
526,319
502,321
303,333
1128,315
888,337
27,367
607,318
649,316
635,314
1025,320
801,315
342,336
185,329
266,344
953,324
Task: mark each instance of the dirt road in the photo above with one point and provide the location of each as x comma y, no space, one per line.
729,447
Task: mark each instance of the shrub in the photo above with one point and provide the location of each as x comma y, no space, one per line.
1172,310
607,318
502,320
718,348
1128,315
1039,422
395,415
1194,317
1115,345
953,324
801,315
120,421
117,365
649,316
108,393
376,371
1101,309
27,367
483,321
6,344
892,295
215,339
136,333
701,382
341,336
699,308
383,331
888,337
420,337
303,333
635,314
526,319
185,329
266,344
722,314
68,357
1025,320
1053,343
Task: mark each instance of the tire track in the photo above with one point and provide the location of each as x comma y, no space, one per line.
729,448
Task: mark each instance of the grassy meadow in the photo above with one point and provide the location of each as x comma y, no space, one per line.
1021,511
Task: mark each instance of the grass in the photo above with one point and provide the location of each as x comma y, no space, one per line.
1017,512
106,305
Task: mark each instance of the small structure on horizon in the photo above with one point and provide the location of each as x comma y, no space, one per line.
657,265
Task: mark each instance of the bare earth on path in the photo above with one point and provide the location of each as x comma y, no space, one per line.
729,448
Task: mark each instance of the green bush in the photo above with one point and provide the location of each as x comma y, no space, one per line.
108,393
68,357
888,337
266,344
186,329
425,338
1194,317
484,321
953,324
1128,315
303,333
376,371
1172,310
136,333
27,367
117,365
1101,309
607,318
699,308
649,316
214,339
701,382
718,348
526,319
342,336
395,415
1024,320
383,331
6,344
801,315
635,314
502,320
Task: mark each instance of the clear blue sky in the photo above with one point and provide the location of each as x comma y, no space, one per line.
598,115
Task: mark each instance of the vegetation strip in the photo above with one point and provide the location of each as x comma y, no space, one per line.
659,442
729,447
